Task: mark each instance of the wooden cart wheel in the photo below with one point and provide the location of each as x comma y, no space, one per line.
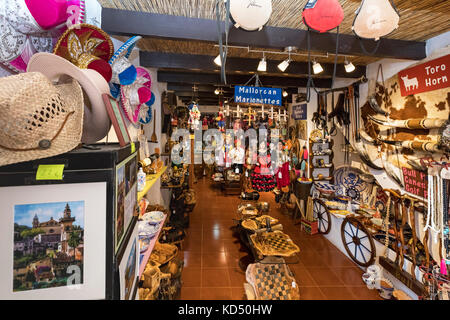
322,215
358,242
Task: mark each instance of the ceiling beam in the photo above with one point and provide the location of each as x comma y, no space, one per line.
124,22
214,78
206,63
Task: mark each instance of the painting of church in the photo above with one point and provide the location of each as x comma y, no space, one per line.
48,239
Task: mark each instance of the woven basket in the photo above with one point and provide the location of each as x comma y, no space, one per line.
274,243
163,253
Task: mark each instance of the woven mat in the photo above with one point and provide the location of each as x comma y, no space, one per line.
274,243
258,223
272,282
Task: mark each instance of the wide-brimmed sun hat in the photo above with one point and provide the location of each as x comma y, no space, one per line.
134,96
123,71
96,120
39,119
87,47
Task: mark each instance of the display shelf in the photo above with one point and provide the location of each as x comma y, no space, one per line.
143,258
149,182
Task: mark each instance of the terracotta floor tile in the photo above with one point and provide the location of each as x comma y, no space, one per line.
311,293
351,276
310,259
237,277
304,279
238,293
192,259
214,260
189,293
363,293
216,294
211,245
337,293
192,277
324,276
215,278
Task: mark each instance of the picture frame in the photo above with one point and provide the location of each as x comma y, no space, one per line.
43,268
126,198
117,120
129,268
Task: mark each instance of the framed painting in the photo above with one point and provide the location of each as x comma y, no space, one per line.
129,268
126,197
53,241
117,120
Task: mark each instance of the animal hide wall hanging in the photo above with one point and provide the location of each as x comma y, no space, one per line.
411,127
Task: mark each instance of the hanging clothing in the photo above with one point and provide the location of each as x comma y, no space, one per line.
283,176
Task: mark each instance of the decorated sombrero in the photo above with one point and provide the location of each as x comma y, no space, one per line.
123,71
145,114
134,96
28,27
87,47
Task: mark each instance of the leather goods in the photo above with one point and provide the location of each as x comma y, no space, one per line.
323,15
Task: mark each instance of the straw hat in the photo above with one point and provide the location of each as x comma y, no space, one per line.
87,47
38,119
96,120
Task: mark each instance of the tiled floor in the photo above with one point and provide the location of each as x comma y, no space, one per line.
211,255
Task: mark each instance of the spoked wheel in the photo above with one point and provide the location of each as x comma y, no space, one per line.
322,215
358,242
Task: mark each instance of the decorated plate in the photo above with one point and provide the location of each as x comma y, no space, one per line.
146,229
153,217
351,181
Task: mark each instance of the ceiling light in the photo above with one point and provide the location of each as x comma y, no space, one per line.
317,68
218,60
349,67
285,94
262,66
284,65
217,91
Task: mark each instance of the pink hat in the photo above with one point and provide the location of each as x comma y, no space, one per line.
52,13
23,36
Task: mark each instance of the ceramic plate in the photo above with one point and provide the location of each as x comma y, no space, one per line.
153,217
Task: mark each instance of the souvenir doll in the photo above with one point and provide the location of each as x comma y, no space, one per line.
221,120
194,117
205,123
262,178
237,156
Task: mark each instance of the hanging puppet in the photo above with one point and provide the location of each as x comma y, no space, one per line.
221,120
194,117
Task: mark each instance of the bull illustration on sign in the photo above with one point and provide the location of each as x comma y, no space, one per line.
410,83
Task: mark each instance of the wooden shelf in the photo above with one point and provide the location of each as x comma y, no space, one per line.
143,258
150,182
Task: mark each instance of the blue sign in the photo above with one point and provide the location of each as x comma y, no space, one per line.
299,111
258,95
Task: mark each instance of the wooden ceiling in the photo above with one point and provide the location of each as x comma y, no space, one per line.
419,19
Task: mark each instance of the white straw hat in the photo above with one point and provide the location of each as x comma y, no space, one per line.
38,119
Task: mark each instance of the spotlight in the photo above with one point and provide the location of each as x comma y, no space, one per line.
317,68
349,67
217,91
262,66
285,94
284,65
218,60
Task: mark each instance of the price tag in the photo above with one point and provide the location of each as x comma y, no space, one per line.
246,174
237,170
133,147
50,172
280,175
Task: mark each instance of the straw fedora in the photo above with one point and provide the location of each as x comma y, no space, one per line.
38,119
87,47
96,120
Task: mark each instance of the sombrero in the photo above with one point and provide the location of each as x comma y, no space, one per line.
87,47
135,95
38,119
24,33
123,71
145,114
96,119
